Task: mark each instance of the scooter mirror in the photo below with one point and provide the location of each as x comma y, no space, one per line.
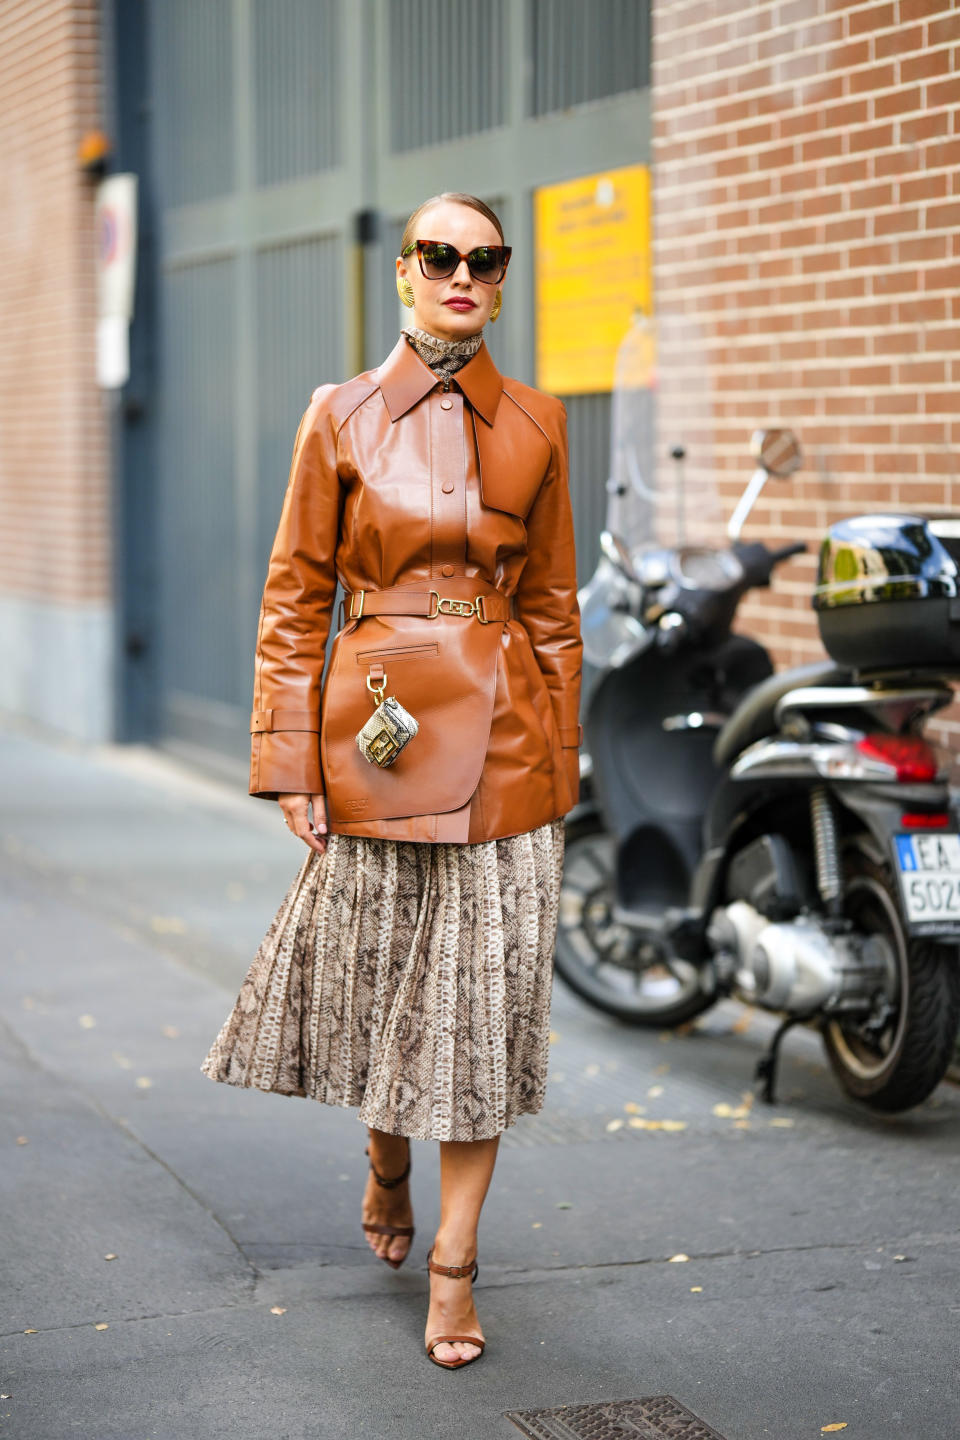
777,451
617,553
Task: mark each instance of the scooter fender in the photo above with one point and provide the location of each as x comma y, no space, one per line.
880,810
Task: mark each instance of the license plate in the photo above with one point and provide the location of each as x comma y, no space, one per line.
929,871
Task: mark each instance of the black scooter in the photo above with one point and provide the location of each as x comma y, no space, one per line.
788,839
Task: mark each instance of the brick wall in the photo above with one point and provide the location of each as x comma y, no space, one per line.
53,476
54,479
807,229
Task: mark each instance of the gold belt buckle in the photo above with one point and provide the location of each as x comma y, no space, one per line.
444,605
356,614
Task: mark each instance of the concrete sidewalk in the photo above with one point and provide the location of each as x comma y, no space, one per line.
823,1244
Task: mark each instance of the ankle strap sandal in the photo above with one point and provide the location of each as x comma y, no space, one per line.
375,1227
397,1179
456,1272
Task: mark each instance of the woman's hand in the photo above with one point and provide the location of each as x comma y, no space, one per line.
296,812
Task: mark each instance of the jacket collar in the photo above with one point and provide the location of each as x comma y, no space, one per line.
404,380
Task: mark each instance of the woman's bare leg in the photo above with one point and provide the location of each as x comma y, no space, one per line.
466,1169
382,1206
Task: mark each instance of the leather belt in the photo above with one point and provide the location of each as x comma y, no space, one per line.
488,607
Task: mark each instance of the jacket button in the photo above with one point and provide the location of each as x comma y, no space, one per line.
447,487
447,570
446,404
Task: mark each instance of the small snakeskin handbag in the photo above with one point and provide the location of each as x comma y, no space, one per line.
389,729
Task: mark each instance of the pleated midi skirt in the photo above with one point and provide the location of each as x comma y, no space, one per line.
410,979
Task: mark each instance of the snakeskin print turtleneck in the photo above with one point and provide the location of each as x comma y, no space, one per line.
445,357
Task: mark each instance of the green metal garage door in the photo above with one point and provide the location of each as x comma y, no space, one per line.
289,140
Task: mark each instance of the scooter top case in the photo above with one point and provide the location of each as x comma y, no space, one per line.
888,593
650,729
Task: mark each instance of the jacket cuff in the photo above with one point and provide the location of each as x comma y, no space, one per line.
285,762
571,735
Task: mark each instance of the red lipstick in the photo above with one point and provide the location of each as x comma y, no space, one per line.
460,303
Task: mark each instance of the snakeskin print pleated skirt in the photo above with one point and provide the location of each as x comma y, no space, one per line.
410,979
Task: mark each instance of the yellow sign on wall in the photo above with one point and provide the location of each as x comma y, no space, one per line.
592,275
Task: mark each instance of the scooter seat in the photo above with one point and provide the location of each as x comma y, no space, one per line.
753,717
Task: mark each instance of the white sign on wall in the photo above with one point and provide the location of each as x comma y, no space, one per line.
116,225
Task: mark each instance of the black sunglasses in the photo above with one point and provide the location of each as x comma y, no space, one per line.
438,260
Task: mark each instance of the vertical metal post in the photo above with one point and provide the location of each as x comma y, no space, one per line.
519,306
134,435
246,419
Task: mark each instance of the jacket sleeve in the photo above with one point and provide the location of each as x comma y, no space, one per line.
547,599
295,615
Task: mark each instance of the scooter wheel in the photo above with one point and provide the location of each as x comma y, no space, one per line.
894,1060
606,963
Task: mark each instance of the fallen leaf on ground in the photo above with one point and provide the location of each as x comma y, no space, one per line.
678,1259
901,1257
632,1108
111,1256
637,1124
87,1021
591,1070
673,1124
654,1091
744,1023
554,1036
167,925
143,1082
838,1425
537,1225
564,1205
170,1031
30,1332
614,1125
102,1326
741,1125
696,1289
731,1112
122,1060
22,1140
781,1122
278,1309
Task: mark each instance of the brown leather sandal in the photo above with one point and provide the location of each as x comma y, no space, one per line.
456,1272
374,1227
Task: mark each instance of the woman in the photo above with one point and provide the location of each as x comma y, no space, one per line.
408,970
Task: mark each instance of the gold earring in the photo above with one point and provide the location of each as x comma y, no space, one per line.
497,304
405,291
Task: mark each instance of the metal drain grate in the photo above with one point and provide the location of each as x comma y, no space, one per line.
654,1417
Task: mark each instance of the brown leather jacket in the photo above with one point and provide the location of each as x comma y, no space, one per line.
424,499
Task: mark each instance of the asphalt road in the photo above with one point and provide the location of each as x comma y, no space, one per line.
183,1260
